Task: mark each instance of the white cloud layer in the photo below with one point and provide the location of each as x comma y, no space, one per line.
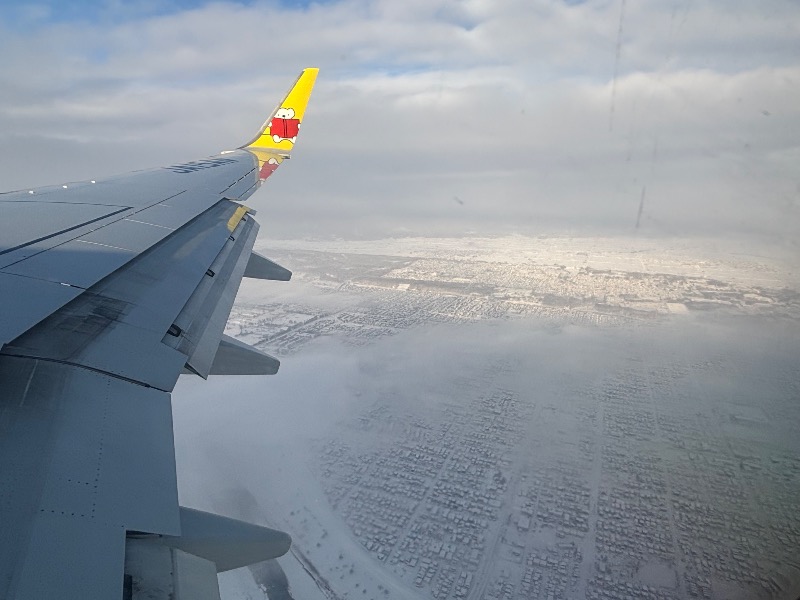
435,116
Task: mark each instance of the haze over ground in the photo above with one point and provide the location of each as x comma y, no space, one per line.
559,417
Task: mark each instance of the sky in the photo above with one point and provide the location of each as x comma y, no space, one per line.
430,117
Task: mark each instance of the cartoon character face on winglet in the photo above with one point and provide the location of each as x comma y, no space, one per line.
284,126
268,168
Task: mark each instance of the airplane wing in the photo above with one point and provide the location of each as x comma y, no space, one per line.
109,290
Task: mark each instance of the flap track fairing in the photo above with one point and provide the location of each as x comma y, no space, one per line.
260,267
237,358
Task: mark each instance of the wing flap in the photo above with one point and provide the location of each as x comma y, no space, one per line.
203,318
159,572
71,485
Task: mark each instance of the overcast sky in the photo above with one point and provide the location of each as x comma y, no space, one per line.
430,116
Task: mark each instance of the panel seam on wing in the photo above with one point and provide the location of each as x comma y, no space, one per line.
88,368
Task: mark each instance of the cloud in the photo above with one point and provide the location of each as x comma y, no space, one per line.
513,108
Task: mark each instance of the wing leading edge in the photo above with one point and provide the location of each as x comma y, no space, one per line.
109,290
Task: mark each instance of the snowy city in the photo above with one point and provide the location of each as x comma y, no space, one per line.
570,419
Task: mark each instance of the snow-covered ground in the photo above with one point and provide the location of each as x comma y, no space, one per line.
615,416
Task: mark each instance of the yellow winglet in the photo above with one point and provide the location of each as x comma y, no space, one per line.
279,132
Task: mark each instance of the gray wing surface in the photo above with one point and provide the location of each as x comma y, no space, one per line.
109,290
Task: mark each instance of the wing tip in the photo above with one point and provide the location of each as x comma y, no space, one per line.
279,132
